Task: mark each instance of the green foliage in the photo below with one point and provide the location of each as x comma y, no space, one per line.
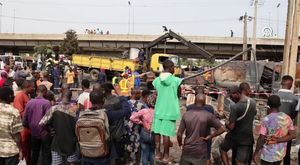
196,62
44,50
205,62
69,45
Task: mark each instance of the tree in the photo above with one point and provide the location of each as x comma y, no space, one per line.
44,51
69,45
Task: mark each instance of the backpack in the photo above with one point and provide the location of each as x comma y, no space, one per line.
117,130
92,133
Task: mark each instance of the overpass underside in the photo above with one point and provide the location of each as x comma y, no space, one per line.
114,48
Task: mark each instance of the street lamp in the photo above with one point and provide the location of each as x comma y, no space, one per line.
1,17
129,4
278,5
132,18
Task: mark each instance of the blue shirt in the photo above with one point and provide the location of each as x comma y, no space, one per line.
206,107
137,80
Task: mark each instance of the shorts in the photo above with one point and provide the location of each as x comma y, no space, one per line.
188,160
243,152
164,127
58,159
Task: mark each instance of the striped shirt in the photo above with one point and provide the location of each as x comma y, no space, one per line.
10,124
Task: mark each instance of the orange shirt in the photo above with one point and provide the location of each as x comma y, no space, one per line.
20,102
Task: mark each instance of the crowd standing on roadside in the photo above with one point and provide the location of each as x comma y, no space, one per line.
117,121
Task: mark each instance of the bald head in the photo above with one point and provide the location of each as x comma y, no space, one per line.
97,87
41,90
200,99
27,84
64,87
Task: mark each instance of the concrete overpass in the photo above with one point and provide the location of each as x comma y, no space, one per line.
221,47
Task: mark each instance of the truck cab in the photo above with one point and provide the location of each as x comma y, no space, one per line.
157,60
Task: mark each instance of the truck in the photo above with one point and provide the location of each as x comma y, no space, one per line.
150,61
93,63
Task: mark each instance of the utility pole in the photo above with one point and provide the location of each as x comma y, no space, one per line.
245,38
294,51
294,44
14,23
132,18
254,31
1,17
287,41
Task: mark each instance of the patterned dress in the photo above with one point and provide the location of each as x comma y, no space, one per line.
133,132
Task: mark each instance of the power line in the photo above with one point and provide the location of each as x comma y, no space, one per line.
201,5
114,23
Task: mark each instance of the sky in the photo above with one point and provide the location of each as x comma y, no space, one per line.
187,17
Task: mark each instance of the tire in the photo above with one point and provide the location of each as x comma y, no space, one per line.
94,74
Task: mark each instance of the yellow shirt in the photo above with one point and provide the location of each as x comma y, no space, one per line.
70,77
124,87
131,81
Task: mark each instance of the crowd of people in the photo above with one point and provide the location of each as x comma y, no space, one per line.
120,122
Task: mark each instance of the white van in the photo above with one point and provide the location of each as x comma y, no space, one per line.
7,59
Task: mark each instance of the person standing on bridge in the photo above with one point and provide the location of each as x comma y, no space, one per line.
166,110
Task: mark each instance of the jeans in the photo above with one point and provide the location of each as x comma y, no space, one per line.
45,146
148,147
14,160
56,82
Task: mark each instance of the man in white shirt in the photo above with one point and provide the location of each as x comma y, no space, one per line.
84,98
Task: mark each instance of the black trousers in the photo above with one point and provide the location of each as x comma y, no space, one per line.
150,86
14,160
287,158
43,145
270,163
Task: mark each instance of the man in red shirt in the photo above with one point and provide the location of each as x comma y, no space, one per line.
3,78
19,103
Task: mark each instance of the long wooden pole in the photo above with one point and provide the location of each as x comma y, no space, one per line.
254,31
295,40
294,51
287,41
